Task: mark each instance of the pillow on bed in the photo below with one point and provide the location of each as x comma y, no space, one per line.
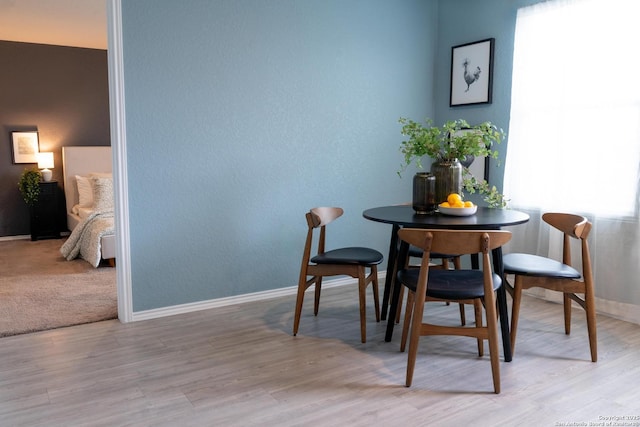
102,193
85,192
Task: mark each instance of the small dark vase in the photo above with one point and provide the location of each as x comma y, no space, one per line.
448,175
424,193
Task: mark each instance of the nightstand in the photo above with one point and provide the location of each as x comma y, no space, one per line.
44,214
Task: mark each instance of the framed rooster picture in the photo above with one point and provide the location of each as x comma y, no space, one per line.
472,73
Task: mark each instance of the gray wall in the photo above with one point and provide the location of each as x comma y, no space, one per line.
61,92
243,115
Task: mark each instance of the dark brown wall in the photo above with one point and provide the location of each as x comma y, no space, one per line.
61,92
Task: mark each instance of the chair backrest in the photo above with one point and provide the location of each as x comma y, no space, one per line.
455,241
459,242
318,217
322,216
576,227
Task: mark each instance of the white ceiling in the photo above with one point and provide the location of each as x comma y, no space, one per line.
78,23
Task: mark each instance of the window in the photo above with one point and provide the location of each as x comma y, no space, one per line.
574,135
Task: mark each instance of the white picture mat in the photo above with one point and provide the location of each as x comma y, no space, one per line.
25,147
477,55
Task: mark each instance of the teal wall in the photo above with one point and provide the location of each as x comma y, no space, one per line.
242,115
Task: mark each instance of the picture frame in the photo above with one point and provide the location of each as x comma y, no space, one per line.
472,73
25,147
479,168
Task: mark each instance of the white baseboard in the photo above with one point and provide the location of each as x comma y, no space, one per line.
27,236
617,310
626,312
9,238
239,299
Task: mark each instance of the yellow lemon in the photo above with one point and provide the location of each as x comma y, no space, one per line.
453,198
445,205
458,204
468,204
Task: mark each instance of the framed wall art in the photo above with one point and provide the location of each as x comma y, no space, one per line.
472,73
25,147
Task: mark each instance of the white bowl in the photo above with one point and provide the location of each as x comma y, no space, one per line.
458,211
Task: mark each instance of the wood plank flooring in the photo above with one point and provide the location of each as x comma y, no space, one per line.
240,366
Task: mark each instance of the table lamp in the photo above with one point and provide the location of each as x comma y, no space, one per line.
45,161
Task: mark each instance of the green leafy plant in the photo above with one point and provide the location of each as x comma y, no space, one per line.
456,139
29,185
492,196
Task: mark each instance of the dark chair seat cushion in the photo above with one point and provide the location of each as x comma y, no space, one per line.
353,255
417,253
449,284
534,265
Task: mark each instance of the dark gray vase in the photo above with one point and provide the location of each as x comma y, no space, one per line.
424,193
448,174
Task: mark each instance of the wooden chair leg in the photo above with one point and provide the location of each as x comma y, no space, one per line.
515,310
316,299
414,340
299,301
463,316
492,325
566,302
477,310
399,307
407,320
458,266
590,308
362,293
376,294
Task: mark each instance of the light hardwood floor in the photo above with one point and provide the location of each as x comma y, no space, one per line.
240,366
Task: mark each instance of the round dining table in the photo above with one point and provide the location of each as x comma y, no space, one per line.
400,216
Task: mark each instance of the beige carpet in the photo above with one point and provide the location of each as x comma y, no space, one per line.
40,290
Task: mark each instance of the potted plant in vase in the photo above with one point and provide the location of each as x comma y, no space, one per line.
452,147
29,186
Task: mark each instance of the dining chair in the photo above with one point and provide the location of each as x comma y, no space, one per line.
537,271
461,285
438,260
350,261
444,260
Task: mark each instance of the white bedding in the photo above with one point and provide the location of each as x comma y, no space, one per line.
83,213
88,162
85,240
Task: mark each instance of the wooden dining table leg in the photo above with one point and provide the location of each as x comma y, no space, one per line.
391,263
401,259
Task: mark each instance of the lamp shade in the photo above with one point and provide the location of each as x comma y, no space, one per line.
45,160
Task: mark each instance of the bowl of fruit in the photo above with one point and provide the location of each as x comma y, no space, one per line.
456,207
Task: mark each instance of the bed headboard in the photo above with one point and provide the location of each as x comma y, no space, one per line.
82,161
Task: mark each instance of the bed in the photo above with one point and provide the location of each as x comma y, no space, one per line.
91,165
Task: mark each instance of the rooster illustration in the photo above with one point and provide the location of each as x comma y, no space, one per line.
468,77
